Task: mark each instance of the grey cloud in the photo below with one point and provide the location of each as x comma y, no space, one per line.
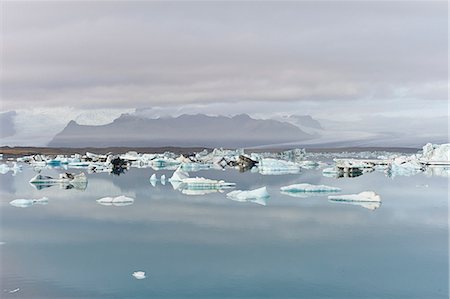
7,126
142,54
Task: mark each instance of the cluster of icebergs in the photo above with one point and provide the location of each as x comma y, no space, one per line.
433,160
288,162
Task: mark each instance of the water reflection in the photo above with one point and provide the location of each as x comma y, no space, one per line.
213,247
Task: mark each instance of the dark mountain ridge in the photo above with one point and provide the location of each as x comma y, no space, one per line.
185,130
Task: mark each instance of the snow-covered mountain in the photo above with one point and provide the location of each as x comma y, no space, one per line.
185,130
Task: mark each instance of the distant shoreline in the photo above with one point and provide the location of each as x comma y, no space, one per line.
30,150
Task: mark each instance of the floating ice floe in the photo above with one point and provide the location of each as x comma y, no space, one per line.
139,274
365,204
14,291
277,167
116,201
257,196
199,191
366,196
308,188
25,203
199,183
153,178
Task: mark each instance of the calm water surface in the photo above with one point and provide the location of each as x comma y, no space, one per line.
211,247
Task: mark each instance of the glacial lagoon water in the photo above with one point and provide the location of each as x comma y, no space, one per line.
209,246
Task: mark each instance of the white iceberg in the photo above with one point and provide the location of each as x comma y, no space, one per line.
366,196
405,166
306,188
270,166
257,196
199,183
163,179
249,194
25,203
153,178
116,201
179,175
139,274
66,180
63,178
436,154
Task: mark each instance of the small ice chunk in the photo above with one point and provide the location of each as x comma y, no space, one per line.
25,203
139,274
200,183
366,196
116,201
250,194
309,188
14,291
257,196
163,178
153,178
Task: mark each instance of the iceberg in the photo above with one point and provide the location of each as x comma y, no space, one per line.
257,196
116,201
199,183
330,172
163,179
250,194
179,175
436,154
68,180
25,203
306,188
139,274
270,166
63,178
366,196
153,178
404,166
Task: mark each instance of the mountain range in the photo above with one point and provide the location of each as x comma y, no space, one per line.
185,130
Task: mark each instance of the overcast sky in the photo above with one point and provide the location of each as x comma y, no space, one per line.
318,57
